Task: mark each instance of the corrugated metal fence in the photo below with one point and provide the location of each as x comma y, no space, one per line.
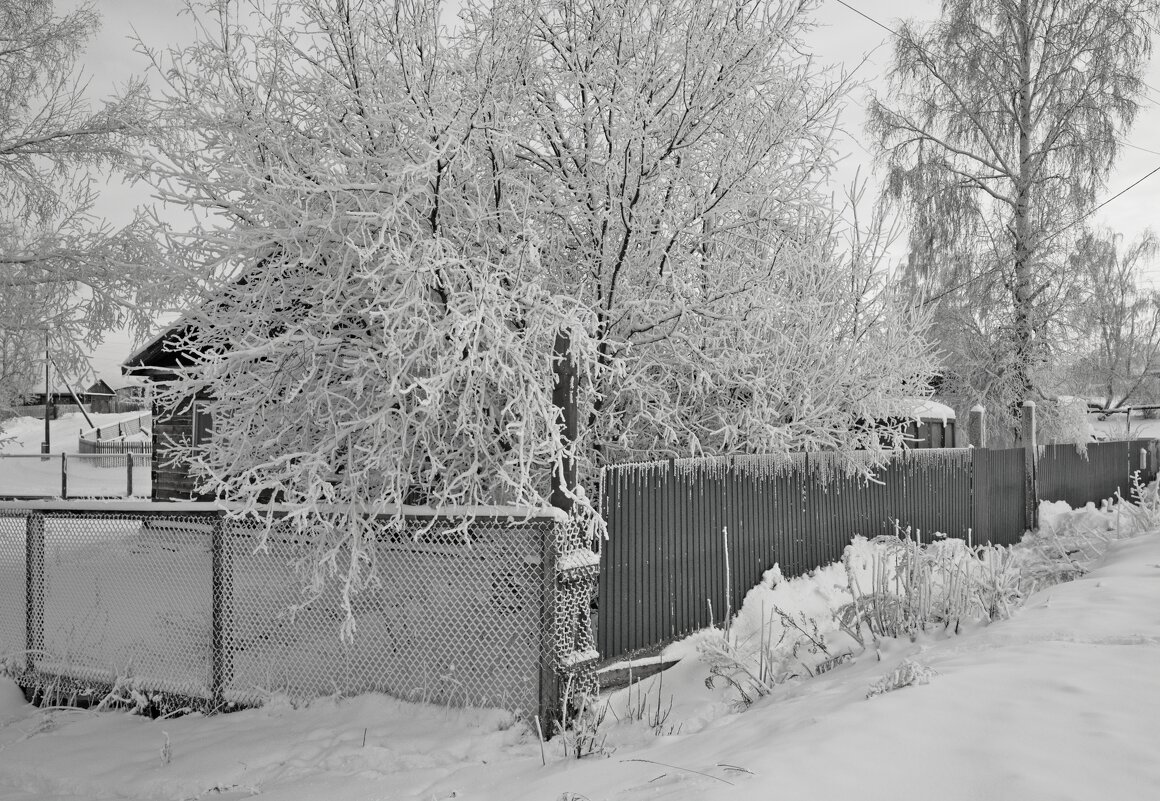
1075,476
998,513
666,569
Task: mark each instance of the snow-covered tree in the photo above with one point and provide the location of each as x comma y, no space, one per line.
62,271
374,335
673,156
1002,121
400,212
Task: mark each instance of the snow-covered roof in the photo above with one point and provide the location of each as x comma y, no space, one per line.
116,381
930,409
55,388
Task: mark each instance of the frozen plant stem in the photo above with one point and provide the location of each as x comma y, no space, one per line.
540,734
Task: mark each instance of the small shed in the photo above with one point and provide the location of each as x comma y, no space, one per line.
117,393
932,424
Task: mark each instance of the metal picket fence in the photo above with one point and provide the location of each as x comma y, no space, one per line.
178,603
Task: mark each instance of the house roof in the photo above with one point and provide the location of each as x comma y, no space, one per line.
157,358
100,389
56,388
110,383
929,410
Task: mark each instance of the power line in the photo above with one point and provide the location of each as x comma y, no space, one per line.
1072,224
916,45
1103,203
1056,233
1137,147
889,30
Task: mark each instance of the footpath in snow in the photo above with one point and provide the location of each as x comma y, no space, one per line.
1060,701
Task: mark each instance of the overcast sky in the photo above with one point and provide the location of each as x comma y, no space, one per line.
843,37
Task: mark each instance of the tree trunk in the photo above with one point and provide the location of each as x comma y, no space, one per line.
1023,250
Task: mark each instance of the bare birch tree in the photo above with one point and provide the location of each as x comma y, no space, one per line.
62,271
1118,321
1003,120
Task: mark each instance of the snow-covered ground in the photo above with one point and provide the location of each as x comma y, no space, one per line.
1124,426
24,434
1059,701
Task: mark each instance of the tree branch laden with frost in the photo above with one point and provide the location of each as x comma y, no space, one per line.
396,218
63,272
674,156
372,334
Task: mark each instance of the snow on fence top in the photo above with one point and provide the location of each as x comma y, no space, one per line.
178,507
117,430
823,465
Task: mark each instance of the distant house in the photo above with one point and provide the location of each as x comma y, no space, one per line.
60,398
120,393
155,363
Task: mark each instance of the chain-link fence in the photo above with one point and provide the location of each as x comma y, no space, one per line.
490,611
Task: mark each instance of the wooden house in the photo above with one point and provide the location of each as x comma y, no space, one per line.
117,393
155,362
61,400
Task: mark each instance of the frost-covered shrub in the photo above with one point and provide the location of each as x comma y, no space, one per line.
892,587
907,674
785,628
1143,512
901,588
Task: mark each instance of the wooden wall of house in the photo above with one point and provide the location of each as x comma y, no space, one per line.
172,482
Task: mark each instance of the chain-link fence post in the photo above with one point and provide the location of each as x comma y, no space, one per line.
220,617
64,476
572,571
33,587
128,474
549,704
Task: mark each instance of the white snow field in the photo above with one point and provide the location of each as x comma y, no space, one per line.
1124,426
1060,701
25,473
24,434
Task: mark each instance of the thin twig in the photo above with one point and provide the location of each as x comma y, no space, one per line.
676,767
